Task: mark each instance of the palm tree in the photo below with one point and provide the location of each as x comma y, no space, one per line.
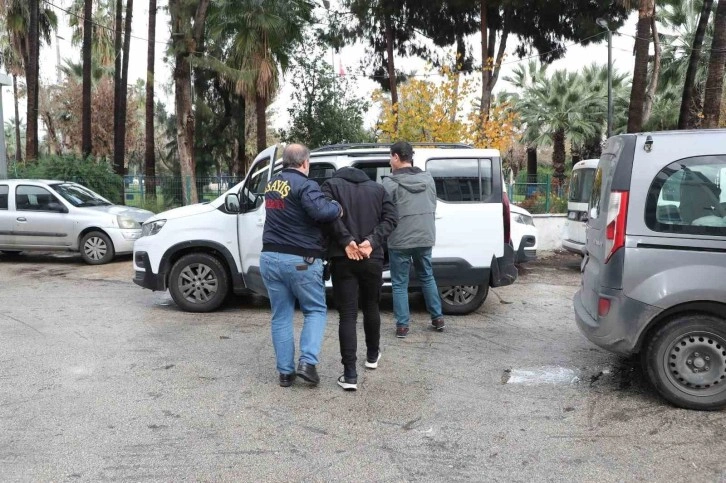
555,109
646,11
86,143
28,24
265,33
102,34
684,12
714,82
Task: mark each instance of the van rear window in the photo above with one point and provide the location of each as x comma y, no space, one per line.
581,185
4,197
462,180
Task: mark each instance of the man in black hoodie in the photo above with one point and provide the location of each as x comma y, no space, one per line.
356,251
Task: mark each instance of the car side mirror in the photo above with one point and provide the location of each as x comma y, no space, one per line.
57,207
231,203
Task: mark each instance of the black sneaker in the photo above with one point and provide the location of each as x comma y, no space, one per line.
372,362
401,332
348,383
438,324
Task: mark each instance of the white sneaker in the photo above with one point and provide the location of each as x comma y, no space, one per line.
347,383
373,364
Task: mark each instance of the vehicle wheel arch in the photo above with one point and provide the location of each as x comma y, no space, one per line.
217,250
88,230
716,309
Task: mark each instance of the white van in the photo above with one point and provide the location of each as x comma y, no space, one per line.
578,198
201,252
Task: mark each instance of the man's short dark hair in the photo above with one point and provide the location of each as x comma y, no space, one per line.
295,155
404,151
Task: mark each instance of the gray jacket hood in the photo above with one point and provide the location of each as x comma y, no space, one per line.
411,179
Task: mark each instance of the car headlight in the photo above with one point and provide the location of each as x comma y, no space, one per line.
127,223
152,228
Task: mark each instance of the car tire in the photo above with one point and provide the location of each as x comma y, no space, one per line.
96,248
685,360
462,299
198,282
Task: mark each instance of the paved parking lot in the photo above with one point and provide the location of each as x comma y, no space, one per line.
101,380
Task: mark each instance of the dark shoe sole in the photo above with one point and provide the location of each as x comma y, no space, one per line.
304,377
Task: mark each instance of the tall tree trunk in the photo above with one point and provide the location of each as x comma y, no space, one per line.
150,153
118,87
241,163
187,33
18,153
558,154
260,108
124,83
32,78
485,72
688,108
531,164
391,68
655,74
460,57
714,81
86,142
490,64
640,72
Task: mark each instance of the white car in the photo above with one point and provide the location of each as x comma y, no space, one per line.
46,215
202,252
524,234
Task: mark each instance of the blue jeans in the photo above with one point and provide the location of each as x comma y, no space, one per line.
289,278
400,262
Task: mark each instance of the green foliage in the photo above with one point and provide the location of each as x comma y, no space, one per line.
95,174
325,109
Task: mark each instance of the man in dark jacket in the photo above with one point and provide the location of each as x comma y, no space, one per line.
356,250
291,263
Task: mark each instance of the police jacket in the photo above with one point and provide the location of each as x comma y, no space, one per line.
368,212
296,209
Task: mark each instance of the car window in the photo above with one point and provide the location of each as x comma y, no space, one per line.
78,195
581,185
462,180
688,197
254,187
33,198
4,190
375,170
321,172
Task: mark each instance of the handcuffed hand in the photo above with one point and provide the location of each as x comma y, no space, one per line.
352,251
365,249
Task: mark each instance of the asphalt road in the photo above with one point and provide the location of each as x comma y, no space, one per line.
101,380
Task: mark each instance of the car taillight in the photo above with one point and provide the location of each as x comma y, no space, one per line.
507,219
616,221
603,307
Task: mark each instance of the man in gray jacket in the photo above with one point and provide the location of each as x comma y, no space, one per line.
414,193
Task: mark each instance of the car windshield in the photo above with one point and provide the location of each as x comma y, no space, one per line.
79,196
581,185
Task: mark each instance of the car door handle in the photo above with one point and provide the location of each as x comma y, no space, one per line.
22,219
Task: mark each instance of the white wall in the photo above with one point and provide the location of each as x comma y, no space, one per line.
550,229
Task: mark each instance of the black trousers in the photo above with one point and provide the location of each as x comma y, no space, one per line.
357,282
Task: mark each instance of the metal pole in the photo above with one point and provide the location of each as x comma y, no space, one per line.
610,83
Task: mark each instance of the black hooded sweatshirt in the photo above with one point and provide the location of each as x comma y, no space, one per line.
368,212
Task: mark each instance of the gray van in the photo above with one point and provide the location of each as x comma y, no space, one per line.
654,272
